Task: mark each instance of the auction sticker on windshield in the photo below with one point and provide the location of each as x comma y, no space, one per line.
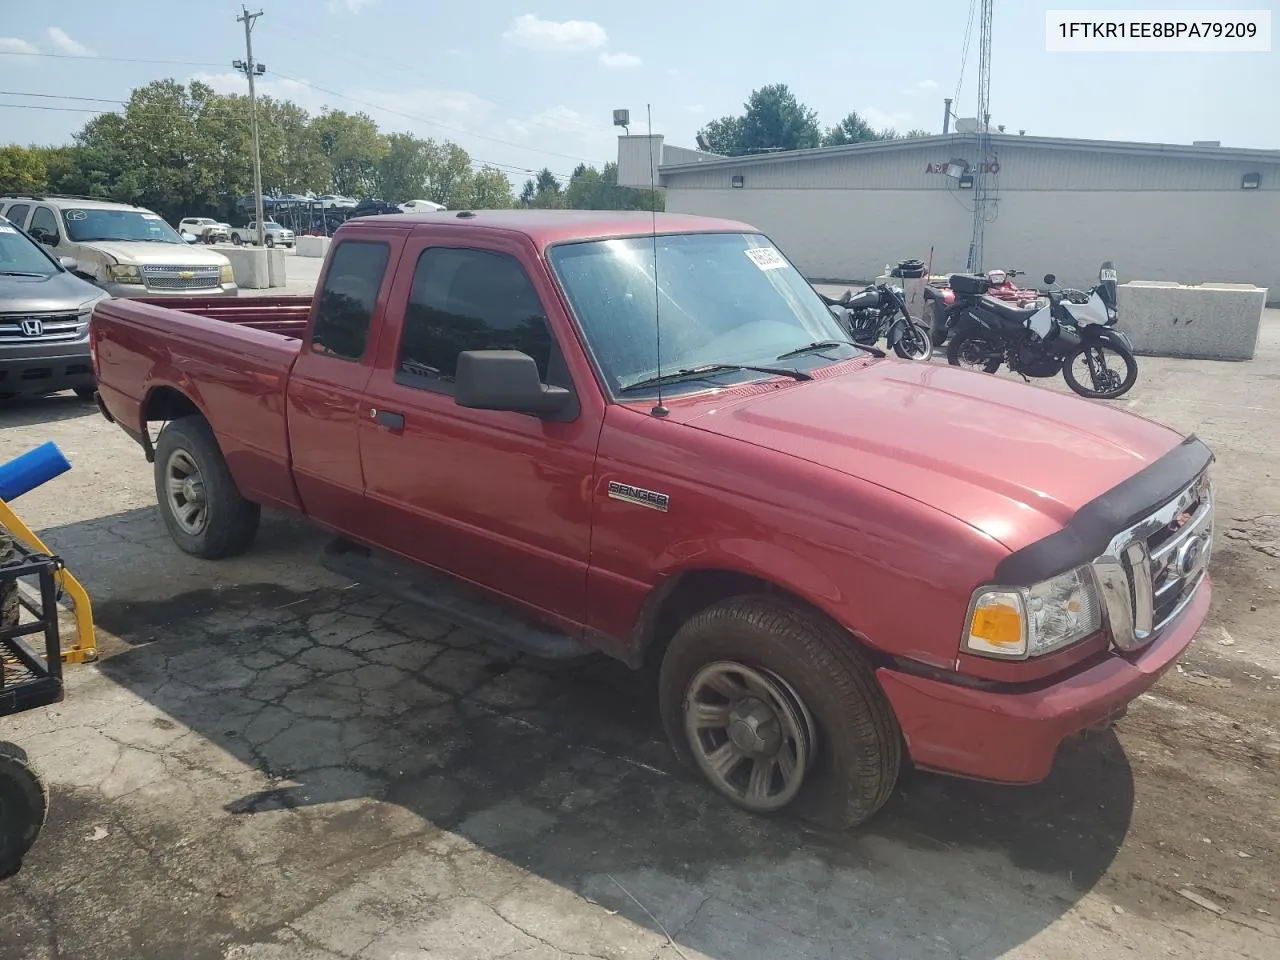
5,228
76,214
766,258
151,216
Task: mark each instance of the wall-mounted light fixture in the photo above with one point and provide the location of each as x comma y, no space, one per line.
736,180
1250,181
966,182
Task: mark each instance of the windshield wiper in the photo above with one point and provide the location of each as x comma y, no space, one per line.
819,345
703,370
21,273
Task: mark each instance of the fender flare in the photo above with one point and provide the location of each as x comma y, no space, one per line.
1096,331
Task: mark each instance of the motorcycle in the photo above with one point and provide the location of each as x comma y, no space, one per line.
1043,341
1001,286
881,311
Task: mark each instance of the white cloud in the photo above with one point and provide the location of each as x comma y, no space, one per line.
554,36
619,61
927,85
673,71
694,108
881,119
59,38
16,45
349,6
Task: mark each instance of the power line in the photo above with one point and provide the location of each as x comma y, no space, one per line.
426,120
81,56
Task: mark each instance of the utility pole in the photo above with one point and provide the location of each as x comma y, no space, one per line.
251,70
980,188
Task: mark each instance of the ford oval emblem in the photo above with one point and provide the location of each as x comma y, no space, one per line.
1189,555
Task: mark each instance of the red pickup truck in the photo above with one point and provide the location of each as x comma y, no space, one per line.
837,558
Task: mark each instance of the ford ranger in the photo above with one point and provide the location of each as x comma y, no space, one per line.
836,559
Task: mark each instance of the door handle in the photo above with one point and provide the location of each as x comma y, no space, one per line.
388,419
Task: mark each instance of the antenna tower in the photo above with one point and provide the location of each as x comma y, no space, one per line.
980,189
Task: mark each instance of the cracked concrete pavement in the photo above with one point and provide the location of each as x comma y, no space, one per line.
272,763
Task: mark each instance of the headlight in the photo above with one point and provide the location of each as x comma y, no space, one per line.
124,273
1019,622
227,274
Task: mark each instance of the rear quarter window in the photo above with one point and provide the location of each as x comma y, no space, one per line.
345,310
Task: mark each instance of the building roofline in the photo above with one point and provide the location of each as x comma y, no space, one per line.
1179,151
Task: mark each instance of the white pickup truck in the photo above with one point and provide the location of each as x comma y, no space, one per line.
276,235
206,229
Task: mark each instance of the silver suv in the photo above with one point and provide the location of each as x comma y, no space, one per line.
44,320
128,251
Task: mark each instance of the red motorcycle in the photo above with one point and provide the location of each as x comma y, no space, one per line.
1002,287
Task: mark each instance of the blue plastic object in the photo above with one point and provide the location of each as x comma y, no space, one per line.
28,471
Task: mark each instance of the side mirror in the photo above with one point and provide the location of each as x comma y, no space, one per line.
505,380
1050,279
189,238
68,263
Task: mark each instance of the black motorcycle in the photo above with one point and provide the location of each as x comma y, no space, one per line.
881,311
1043,341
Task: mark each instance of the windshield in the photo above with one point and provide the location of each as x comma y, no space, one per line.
85,225
722,298
19,254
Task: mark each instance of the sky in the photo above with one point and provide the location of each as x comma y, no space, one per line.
533,83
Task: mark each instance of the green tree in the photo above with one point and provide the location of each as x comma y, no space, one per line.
774,120
592,189
449,179
491,190
852,129
405,169
23,169
543,191
353,146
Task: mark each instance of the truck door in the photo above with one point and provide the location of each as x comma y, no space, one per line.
500,499
328,379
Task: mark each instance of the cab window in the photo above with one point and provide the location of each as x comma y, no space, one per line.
17,214
351,285
44,226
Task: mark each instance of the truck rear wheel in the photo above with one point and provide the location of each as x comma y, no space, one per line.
199,501
24,806
776,708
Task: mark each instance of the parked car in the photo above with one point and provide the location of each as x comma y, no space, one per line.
128,251
967,580
275,234
205,229
370,207
421,206
44,320
329,201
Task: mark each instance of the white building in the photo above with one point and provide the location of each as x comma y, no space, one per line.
1191,214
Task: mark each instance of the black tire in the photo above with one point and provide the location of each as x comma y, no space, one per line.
973,345
921,347
271,241
86,393
237,240
1120,384
230,521
24,807
858,751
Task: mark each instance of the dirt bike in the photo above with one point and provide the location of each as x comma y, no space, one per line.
1043,341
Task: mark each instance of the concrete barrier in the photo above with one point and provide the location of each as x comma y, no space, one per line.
255,268
1211,321
312,246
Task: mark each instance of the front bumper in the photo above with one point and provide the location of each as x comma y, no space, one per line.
135,291
51,368
1012,737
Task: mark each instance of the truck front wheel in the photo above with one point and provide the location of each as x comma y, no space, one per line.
201,505
776,708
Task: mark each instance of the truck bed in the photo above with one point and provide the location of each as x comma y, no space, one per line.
231,358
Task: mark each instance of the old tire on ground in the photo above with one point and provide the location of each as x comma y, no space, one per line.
24,806
199,501
789,693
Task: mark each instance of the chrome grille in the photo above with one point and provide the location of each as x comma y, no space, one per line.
53,327
180,278
1151,571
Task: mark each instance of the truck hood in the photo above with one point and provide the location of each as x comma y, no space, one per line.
1013,461
145,252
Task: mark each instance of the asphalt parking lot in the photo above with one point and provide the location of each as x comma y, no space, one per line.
270,762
